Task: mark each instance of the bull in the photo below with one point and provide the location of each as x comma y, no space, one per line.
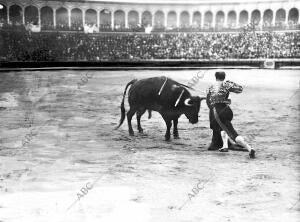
164,95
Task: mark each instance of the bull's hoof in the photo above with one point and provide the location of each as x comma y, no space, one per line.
167,138
131,133
141,131
176,137
252,154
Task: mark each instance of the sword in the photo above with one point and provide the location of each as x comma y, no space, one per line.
177,101
162,87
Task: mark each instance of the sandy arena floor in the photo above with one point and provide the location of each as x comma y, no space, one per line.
61,160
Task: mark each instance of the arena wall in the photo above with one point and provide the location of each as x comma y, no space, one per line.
153,64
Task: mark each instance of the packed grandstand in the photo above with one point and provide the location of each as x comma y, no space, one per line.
40,33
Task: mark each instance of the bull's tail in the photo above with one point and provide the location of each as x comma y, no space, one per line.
122,103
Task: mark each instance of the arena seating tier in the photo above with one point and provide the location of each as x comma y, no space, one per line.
19,44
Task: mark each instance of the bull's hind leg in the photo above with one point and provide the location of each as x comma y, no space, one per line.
175,129
130,114
139,114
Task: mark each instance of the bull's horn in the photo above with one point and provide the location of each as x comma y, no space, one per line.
187,102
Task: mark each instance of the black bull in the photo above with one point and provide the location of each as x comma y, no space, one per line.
164,95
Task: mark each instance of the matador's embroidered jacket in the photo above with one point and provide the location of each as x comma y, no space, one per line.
221,96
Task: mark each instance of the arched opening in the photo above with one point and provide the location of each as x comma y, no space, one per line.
146,19
293,17
243,20
62,19
267,18
231,20
133,19
196,20
46,18
76,19
255,17
208,18
105,19
172,20
184,19
15,15
220,20
3,15
280,17
159,18
91,17
119,19
31,15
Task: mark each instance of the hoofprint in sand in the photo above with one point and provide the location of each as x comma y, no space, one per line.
61,160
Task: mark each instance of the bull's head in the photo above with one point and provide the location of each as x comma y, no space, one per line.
192,108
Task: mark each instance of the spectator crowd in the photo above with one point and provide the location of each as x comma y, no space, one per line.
23,45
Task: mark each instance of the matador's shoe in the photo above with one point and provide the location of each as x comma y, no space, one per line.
214,146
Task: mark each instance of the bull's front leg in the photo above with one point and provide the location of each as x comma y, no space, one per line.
175,129
168,134
168,122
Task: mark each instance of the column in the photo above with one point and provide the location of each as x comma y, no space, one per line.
273,19
249,17
140,18
98,18
126,19
166,19
39,14
237,22
286,17
83,17
23,15
7,8
191,18
213,20
178,19
225,19
202,20
261,20
112,19
152,19
54,18
69,18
